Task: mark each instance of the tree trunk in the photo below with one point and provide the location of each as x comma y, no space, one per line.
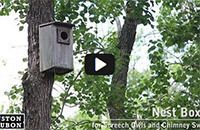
37,86
119,80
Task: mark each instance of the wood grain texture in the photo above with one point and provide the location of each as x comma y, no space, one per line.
54,56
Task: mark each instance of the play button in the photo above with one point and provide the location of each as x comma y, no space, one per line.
99,64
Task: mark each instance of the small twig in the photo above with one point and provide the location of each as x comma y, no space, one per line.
119,26
151,34
67,91
71,106
173,55
192,65
75,124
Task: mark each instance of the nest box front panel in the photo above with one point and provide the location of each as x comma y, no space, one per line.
63,35
56,48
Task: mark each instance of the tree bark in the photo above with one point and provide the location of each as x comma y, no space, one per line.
37,86
119,80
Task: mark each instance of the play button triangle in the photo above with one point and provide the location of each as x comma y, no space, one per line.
99,64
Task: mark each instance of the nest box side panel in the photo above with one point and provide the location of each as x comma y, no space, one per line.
46,45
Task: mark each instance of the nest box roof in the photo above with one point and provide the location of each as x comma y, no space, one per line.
69,25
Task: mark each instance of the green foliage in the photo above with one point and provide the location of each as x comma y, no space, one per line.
80,121
179,22
18,6
141,10
77,11
15,97
174,70
173,78
137,93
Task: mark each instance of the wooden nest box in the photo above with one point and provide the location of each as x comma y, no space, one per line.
56,47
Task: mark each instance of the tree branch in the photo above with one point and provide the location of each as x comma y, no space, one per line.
67,91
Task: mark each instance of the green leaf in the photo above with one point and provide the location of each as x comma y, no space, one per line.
151,48
21,28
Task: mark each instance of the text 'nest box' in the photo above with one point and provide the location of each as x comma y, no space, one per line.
56,47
